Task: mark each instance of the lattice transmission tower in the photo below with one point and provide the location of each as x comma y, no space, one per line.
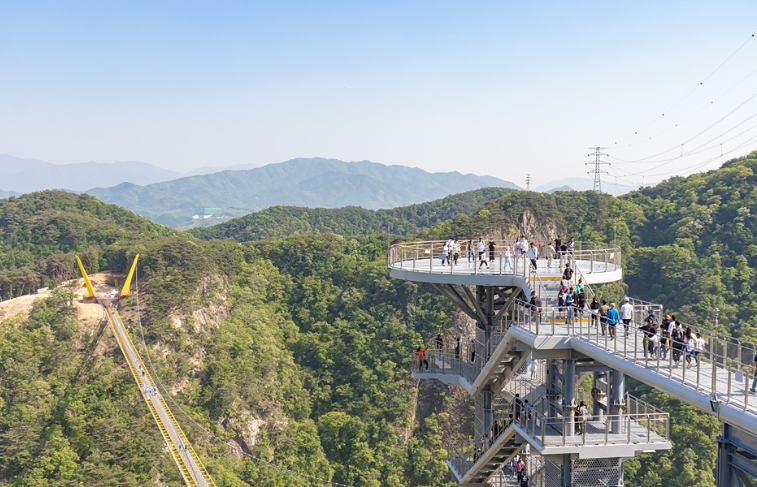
597,167
529,182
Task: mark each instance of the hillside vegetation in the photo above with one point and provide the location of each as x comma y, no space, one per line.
312,183
282,221
297,348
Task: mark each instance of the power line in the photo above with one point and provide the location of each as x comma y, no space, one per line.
236,447
597,167
701,83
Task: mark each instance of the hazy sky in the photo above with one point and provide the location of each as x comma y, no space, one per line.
499,88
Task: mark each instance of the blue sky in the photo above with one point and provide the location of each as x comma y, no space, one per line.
498,88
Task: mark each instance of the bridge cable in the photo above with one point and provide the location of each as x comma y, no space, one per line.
166,393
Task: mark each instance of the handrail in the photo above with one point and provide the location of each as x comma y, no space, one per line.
423,256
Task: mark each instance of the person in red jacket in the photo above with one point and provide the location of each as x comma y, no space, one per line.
421,353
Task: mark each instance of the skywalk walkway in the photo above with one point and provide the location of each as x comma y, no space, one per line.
189,463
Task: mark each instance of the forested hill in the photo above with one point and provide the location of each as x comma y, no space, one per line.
298,349
40,232
283,221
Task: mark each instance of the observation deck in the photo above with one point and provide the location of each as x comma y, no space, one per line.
420,262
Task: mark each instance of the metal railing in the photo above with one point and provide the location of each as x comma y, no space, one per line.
426,257
638,423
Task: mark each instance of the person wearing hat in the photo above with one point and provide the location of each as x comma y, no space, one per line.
613,317
626,314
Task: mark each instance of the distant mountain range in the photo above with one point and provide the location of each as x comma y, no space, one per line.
19,175
584,184
316,182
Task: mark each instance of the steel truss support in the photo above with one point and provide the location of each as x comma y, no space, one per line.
737,452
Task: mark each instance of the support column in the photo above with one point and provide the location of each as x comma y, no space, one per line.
488,409
617,400
567,471
597,395
723,471
569,396
552,391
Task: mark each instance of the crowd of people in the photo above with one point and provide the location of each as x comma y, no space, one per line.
453,251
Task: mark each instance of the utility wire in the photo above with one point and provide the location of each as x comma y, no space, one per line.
237,447
701,83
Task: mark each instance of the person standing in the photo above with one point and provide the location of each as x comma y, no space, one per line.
421,353
481,252
491,251
569,301
533,366
626,314
558,244
457,348
471,253
535,303
533,254
594,309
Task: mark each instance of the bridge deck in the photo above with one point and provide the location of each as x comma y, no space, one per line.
190,466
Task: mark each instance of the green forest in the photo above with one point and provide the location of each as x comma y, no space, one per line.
283,333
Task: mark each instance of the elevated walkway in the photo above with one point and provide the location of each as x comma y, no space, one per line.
189,463
624,435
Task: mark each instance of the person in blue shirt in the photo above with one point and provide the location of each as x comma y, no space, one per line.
569,305
613,318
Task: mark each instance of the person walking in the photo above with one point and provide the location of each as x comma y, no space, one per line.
457,348
471,253
491,251
567,273
689,344
603,310
666,327
699,345
677,338
533,367
533,254
613,318
626,314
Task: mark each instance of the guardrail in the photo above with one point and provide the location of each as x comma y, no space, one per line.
639,423
718,368
426,257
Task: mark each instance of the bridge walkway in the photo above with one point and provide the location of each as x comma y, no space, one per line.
189,463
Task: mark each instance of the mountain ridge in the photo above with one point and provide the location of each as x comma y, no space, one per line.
311,182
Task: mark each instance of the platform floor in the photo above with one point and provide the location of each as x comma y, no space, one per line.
502,266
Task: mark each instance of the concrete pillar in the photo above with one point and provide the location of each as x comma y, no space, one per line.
617,400
569,396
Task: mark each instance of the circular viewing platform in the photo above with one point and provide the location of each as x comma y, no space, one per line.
595,263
